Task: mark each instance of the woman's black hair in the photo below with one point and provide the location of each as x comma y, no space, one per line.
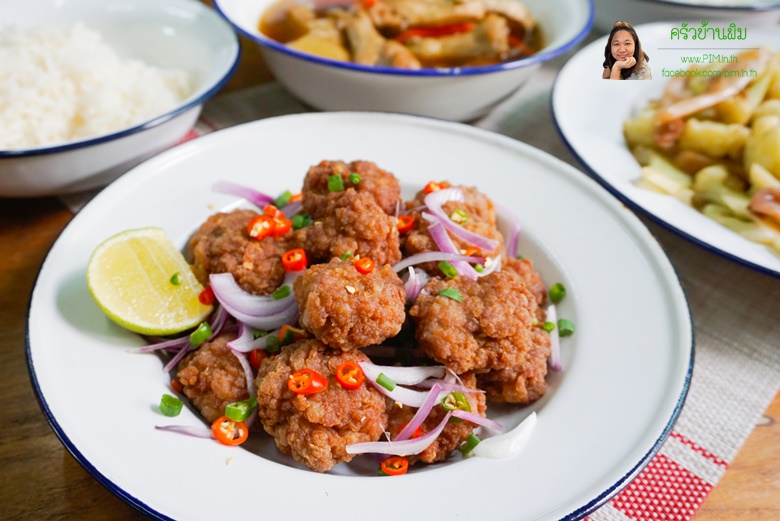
639,55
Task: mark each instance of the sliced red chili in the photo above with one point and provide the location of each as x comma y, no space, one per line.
395,466
281,226
176,386
261,226
306,381
405,223
364,265
256,357
229,432
294,260
435,31
349,375
294,198
433,186
273,212
206,296
471,251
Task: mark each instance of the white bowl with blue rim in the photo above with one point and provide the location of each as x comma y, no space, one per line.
172,34
458,94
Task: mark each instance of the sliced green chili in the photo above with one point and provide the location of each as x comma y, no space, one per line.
354,178
459,216
240,411
283,199
548,326
557,292
479,268
448,269
281,292
201,334
335,183
170,405
452,293
273,345
385,381
565,327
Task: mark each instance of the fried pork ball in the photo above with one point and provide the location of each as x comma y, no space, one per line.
212,377
493,327
316,428
533,281
454,433
524,382
222,245
381,185
346,309
477,214
351,223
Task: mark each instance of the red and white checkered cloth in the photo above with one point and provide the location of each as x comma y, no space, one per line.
735,312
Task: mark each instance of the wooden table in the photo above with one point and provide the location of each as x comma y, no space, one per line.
41,480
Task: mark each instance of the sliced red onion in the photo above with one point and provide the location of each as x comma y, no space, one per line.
421,414
434,202
508,444
291,209
512,241
171,345
177,357
197,432
433,256
449,386
400,448
479,420
234,297
413,284
246,340
259,199
555,341
403,375
250,382
444,243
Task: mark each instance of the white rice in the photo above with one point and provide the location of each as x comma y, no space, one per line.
64,84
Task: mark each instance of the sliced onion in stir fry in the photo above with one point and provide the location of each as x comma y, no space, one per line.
508,444
258,311
433,256
421,414
259,199
415,280
555,340
403,375
434,202
400,448
477,419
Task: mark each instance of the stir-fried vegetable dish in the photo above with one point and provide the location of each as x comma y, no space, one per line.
409,34
374,325
713,142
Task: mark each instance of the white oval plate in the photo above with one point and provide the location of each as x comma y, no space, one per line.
589,113
626,369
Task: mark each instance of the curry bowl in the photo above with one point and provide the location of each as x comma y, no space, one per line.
104,54
460,93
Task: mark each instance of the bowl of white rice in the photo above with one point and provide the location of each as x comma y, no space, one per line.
90,88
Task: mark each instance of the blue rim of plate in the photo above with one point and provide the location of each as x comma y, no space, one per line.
757,6
540,57
576,515
653,217
157,121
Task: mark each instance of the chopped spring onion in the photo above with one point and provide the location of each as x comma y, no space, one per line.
354,178
448,269
557,292
565,327
385,381
452,293
283,199
240,411
548,326
346,255
335,183
469,444
300,221
176,279
281,292
170,405
201,334
273,344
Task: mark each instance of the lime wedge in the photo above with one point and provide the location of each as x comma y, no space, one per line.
143,283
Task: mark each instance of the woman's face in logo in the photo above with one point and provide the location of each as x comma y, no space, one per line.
622,45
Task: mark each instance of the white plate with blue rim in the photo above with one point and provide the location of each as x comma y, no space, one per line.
624,379
589,113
